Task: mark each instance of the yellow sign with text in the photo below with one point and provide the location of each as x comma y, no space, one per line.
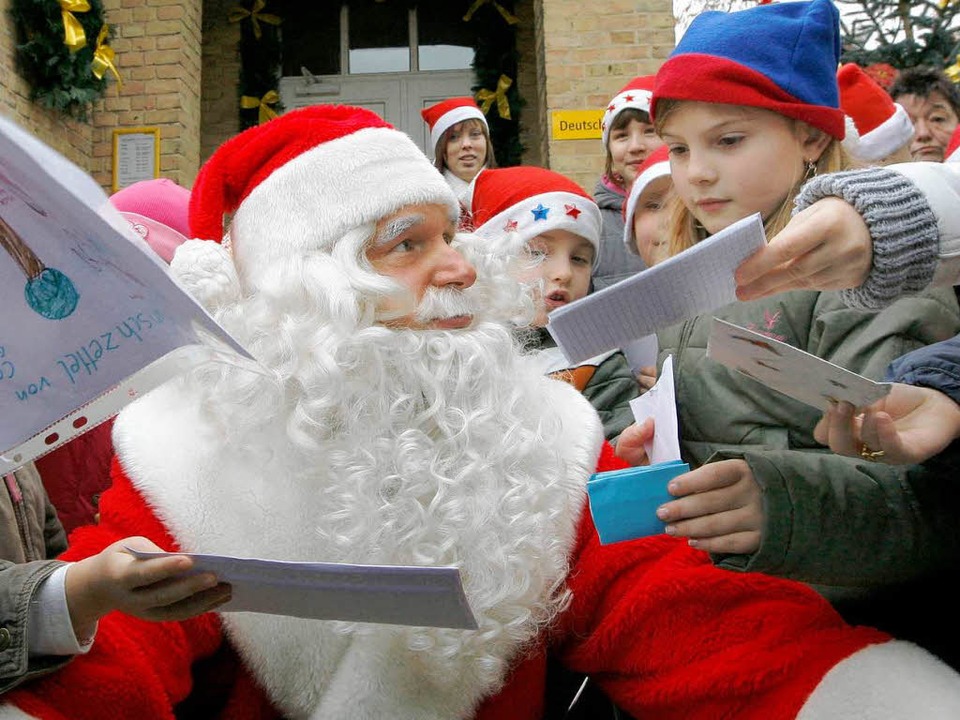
577,124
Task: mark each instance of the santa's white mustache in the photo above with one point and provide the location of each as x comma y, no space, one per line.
441,303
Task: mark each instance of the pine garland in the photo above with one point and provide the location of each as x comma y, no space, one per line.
59,79
496,55
259,61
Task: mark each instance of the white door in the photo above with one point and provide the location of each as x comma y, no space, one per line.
396,97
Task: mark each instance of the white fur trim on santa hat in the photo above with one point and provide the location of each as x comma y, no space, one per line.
636,99
885,139
888,681
310,202
449,119
657,170
542,213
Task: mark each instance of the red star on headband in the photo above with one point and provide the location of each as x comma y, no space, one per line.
573,211
611,107
511,226
628,98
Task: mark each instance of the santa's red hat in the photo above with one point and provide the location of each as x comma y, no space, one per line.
444,115
657,165
299,182
635,95
523,202
882,125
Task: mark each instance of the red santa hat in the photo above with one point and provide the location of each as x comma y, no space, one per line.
523,202
444,115
299,182
882,125
158,211
635,94
657,165
951,154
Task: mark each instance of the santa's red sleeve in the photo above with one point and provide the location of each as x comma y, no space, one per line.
135,669
668,635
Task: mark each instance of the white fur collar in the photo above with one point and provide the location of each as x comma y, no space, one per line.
213,503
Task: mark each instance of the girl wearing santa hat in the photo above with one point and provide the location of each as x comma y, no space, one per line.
746,124
645,217
628,139
461,143
530,209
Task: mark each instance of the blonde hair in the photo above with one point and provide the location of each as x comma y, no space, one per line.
440,151
685,231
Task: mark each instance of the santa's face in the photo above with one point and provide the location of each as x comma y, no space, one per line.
412,246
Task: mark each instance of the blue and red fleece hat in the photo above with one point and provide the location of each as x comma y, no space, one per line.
781,57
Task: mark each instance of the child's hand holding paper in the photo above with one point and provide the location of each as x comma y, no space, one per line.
624,502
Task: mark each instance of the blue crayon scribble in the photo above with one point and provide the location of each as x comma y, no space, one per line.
51,294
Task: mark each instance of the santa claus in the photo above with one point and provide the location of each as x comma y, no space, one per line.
400,424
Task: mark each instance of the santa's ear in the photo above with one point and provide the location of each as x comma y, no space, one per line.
207,272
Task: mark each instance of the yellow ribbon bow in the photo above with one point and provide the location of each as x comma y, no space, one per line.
266,112
73,35
477,4
953,72
103,57
256,17
486,97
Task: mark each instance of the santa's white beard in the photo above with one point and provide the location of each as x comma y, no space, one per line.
400,447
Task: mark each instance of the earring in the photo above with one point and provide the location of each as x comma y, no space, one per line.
811,170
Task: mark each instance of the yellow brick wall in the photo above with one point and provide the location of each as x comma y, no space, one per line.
221,76
157,46
589,52
69,137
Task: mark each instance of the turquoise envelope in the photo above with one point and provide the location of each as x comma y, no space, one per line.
624,502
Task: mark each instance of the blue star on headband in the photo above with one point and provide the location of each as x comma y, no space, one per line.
540,212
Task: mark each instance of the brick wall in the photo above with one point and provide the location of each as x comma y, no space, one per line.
71,138
221,76
587,57
157,46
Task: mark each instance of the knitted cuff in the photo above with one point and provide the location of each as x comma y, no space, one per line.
906,238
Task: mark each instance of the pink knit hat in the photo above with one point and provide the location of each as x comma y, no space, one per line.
158,211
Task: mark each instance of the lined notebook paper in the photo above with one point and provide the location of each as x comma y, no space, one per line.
694,282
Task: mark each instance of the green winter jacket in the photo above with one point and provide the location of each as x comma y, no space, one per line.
830,520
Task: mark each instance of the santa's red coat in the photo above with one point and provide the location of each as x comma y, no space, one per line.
662,631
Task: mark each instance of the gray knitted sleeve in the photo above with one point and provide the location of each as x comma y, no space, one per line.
904,229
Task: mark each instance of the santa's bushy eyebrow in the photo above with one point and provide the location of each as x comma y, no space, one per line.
395,228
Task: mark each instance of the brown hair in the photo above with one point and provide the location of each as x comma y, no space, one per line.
621,121
685,231
440,151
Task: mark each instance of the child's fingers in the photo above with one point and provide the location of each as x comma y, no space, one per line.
192,605
172,590
741,543
141,573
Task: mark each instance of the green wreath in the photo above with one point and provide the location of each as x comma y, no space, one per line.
54,60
